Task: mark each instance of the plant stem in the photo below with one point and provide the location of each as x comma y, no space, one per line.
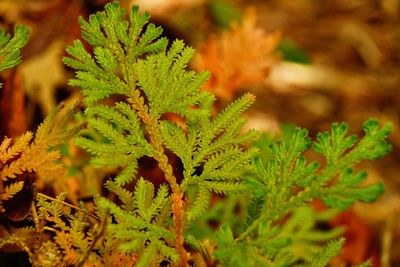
152,127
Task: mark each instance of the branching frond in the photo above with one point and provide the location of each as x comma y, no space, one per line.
74,236
138,228
132,81
288,182
10,47
8,152
329,251
200,204
130,61
35,157
12,189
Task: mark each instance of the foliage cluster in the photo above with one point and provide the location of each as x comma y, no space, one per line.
140,100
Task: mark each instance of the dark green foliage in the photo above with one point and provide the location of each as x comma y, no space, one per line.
287,182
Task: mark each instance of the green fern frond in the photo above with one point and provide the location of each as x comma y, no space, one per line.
289,182
131,82
347,190
175,139
329,251
288,168
231,114
10,54
124,195
200,204
137,231
304,239
131,61
169,87
372,146
254,210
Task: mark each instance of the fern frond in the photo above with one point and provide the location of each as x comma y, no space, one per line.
35,156
230,136
8,152
148,206
122,116
334,145
347,190
131,61
200,204
254,210
175,139
228,165
143,199
95,89
231,114
53,211
10,47
53,130
372,146
135,230
124,195
288,168
329,251
11,190
223,187
289,182
167,85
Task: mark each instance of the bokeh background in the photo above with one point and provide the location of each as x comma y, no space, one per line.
309,62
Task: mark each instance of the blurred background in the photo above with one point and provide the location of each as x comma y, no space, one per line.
309,62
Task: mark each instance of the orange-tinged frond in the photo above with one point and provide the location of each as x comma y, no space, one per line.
238,57
8,152
11,190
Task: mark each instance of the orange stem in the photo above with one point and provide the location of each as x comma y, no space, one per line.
152,127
